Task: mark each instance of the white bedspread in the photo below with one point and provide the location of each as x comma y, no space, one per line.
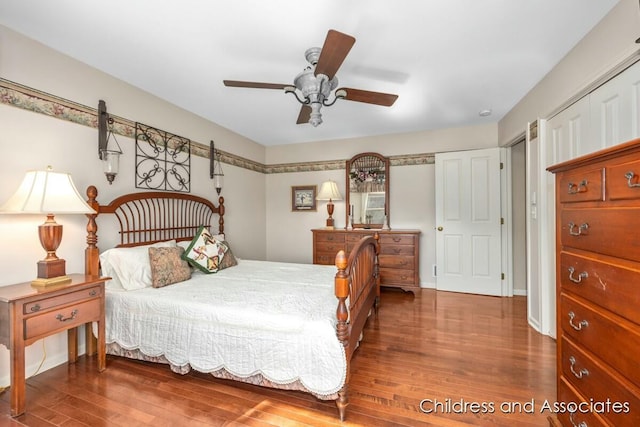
277,319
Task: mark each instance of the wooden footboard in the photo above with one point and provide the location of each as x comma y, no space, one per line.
357,287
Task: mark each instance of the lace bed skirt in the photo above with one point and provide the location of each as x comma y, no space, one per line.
257,379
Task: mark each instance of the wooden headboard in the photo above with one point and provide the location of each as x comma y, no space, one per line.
149,217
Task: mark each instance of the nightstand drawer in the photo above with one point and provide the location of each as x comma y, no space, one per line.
48,303
62,318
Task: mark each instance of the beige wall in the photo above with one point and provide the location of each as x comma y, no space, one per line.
609,43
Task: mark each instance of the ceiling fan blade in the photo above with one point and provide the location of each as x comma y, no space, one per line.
336,47
305,115
378,98
255,85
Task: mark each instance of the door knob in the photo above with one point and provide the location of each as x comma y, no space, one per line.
440,229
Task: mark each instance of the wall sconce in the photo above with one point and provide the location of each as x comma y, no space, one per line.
329,191
215,168
49,193
110,157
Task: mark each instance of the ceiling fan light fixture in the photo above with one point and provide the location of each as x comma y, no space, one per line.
315,84
315,118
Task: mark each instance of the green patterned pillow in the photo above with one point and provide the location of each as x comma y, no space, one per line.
167,266
205,252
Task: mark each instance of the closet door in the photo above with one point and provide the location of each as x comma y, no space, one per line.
615,110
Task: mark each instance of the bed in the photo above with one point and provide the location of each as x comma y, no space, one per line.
280,325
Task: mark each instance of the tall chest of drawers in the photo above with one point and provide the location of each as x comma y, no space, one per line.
399,253
598,287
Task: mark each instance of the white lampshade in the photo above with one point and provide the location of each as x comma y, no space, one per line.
329,191
46,192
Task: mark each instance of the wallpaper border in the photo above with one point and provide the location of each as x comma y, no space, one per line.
36,101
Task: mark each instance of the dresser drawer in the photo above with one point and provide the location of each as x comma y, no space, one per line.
568,396
623,181
392,261
596,381
325,258
329,247
353,238
329,237
581,186
53,302
396,239
396,250
606,231
613,287
607,336
61,318
397,276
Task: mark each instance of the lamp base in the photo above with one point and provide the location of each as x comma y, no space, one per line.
52,268
330,224
61,280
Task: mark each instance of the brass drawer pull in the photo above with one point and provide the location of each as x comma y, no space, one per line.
583,227
93,293
579,326
629,175
61,318
573,423
581,276
578,374
580,188
397,239
35,307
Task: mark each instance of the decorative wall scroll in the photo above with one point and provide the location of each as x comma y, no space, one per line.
163,160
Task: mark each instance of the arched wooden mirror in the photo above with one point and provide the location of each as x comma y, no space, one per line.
367,190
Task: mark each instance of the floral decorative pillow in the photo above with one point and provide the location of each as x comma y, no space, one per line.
229,259
205,252
167,266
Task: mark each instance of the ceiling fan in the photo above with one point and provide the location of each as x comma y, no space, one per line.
314,86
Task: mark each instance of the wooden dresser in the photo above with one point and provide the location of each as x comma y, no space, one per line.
598,286
399,253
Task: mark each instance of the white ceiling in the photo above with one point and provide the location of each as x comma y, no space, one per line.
446,59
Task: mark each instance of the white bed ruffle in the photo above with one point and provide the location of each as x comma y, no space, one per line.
276,320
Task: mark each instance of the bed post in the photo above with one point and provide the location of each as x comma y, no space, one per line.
221,215
342,328
91,253
91,259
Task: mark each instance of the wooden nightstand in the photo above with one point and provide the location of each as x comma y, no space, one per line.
29,313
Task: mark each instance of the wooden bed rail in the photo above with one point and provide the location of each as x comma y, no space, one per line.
358,280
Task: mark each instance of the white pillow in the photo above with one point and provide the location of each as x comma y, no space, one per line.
129,268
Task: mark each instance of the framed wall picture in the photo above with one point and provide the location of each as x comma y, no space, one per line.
303,198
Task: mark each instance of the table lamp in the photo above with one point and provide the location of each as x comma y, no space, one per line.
49,193
329,191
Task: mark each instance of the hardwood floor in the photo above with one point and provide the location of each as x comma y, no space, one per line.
454,349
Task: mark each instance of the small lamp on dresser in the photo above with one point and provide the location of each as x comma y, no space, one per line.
47,192
329,191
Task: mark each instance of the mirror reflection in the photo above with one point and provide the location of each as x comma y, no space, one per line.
368,190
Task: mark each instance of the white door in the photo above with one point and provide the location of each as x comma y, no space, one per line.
468,222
